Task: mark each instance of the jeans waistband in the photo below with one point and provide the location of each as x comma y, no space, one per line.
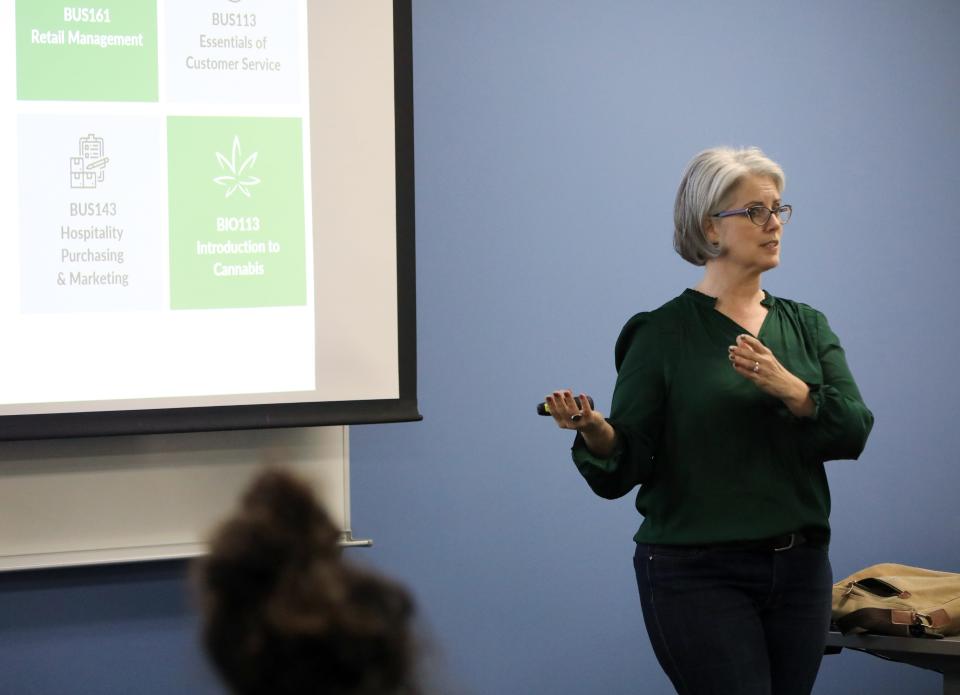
775,544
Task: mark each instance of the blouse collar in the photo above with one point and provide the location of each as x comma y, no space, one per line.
707,300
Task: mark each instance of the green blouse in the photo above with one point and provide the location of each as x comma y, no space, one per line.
718,460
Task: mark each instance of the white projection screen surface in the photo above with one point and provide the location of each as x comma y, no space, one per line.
208,216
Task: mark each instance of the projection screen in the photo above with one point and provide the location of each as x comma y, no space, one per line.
209,216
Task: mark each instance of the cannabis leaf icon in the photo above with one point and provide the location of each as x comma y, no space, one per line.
235,180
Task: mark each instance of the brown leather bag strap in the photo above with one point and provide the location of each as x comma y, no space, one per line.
880,620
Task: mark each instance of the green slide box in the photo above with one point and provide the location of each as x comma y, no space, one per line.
72,53
237,224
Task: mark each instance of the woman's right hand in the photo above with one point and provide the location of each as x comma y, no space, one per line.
598,434
569,416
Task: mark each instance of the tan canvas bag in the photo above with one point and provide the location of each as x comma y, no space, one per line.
901,600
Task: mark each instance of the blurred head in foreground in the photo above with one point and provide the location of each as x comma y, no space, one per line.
283,613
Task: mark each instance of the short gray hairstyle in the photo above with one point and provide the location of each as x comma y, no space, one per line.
707,181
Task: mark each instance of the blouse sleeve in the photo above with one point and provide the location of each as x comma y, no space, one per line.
636,413
841,422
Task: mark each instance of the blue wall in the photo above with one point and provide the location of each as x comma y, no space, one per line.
550,137
120,630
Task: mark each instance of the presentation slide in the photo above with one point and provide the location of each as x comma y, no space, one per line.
194,213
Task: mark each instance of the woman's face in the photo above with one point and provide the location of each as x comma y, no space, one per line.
742,242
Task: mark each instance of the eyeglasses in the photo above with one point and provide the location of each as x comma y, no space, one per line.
759,214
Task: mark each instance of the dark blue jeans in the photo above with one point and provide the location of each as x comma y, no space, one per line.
736,622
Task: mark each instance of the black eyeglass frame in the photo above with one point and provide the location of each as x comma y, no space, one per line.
783,213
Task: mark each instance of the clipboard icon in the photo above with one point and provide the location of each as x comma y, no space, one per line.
87,170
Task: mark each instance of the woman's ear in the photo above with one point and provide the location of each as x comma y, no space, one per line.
710,231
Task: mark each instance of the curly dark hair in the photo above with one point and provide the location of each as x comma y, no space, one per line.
284,614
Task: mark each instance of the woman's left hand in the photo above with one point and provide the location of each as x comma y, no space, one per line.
755,362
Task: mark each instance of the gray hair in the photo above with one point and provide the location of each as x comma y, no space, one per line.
707,181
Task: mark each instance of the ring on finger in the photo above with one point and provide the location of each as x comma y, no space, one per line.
756,367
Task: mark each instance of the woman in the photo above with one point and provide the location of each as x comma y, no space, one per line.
728,401
283,614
